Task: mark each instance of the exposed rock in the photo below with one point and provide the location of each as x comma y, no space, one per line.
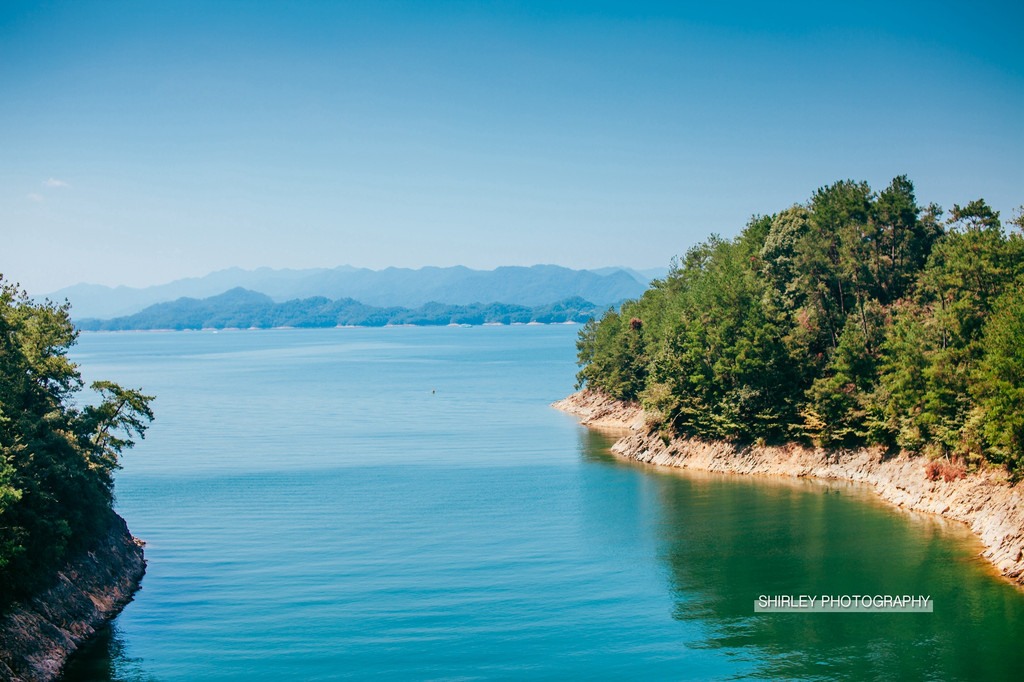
38,635
598,410
984,500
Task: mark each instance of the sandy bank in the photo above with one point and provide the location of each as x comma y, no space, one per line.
985,501
38,635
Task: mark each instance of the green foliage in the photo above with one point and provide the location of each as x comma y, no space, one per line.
904,371
858,318
56,461
779,254
841,396
612,355
999,381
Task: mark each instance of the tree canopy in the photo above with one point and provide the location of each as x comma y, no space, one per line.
857,318
56,459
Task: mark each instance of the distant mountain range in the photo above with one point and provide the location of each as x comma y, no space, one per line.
243,309
534,286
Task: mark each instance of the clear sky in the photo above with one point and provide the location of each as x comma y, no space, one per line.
145,141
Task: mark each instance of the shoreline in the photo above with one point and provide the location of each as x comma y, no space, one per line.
340,326
985,501
38,635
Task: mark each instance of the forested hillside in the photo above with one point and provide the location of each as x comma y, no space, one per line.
858,318
243,309
57,457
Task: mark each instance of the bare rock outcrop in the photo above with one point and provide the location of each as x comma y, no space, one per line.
599,411
38,635
985,500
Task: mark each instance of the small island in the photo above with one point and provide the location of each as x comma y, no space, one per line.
241,308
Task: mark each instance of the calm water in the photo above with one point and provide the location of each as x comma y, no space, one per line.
403,504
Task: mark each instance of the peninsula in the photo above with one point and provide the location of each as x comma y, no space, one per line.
858,336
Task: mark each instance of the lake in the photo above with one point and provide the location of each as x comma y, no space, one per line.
403,503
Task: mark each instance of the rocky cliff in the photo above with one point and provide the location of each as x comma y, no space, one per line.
38,635
985,500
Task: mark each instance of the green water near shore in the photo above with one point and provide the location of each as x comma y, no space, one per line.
314,511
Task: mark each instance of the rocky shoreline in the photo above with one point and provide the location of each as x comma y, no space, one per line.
38,635
985,501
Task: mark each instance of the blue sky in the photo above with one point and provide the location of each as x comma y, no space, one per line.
145,141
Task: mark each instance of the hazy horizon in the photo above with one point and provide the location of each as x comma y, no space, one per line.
111,281
145,143
343,266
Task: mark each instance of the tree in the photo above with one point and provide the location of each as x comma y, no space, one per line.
56,461
999,382
858,318
832,253
779,254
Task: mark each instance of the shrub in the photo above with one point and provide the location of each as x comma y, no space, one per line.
947,471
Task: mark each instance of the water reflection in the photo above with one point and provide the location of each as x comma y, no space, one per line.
105,660
727,539
634,571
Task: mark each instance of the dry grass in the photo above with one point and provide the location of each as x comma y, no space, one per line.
946,470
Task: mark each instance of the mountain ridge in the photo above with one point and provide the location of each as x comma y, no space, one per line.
403,287
240,308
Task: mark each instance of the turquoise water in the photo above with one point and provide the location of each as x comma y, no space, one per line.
402,503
